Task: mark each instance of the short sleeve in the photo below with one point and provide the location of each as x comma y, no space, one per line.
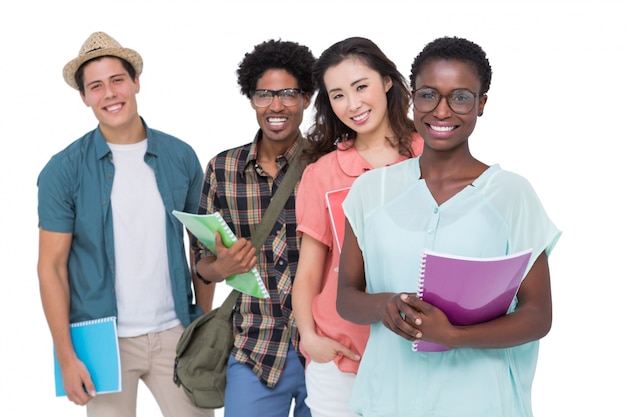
353,206
206,205
55,203
311,211
520,207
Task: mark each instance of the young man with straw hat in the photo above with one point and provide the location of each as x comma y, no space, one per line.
108,243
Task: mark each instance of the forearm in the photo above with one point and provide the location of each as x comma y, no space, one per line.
206,268
360,307
204,293
54,291
308,283
54,249
354,303
521,326
531,320
302,296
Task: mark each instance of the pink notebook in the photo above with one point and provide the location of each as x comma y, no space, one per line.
469,290
334,199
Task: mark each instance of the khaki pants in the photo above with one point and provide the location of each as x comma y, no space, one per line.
149,358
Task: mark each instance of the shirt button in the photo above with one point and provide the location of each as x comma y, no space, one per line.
280,263
436,210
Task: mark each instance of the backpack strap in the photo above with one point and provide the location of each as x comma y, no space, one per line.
226,309
294,172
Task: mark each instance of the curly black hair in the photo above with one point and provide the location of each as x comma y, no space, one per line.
327,128
459,49
296,59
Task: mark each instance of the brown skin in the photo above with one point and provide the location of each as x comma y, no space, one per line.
276,139
237,259
204,293
447,166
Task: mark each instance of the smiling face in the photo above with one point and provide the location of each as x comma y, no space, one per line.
111,94
280,124
441,127
358,97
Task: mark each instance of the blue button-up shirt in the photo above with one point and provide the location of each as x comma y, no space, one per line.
75,197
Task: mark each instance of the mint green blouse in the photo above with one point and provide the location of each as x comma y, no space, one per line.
394,217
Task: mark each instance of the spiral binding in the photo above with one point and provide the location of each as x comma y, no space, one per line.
255,271
94,321
226,228
420,282
420,290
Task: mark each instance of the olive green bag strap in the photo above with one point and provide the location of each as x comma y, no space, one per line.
294,172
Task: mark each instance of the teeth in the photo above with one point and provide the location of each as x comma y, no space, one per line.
114,108
277,120
359,117
442,128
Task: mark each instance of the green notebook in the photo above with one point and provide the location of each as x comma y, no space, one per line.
203,227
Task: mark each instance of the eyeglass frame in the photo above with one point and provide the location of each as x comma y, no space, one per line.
274,94
447,96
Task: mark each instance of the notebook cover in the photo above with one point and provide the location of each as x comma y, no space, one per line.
334,201
469,290
203,227
96,345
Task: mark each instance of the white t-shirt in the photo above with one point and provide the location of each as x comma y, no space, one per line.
142,279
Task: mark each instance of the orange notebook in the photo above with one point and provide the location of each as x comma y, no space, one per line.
334,199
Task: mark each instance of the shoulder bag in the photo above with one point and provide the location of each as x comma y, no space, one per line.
205,345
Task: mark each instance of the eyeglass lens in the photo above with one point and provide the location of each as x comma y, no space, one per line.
460,101
287,96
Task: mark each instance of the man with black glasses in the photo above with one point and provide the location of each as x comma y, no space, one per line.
265,370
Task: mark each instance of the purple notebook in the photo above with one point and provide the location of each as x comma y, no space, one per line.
469,290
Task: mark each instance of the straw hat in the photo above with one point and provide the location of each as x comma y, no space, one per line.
97,45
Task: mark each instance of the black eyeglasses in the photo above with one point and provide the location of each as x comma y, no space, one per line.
287,96
460,101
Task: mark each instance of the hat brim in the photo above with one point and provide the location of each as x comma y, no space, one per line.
69,71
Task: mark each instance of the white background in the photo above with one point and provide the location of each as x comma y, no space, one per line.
555,115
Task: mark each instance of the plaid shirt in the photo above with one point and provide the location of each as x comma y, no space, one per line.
237,187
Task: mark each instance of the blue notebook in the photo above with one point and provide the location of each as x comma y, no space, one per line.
95,343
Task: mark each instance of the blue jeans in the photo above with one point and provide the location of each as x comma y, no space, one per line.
247,396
